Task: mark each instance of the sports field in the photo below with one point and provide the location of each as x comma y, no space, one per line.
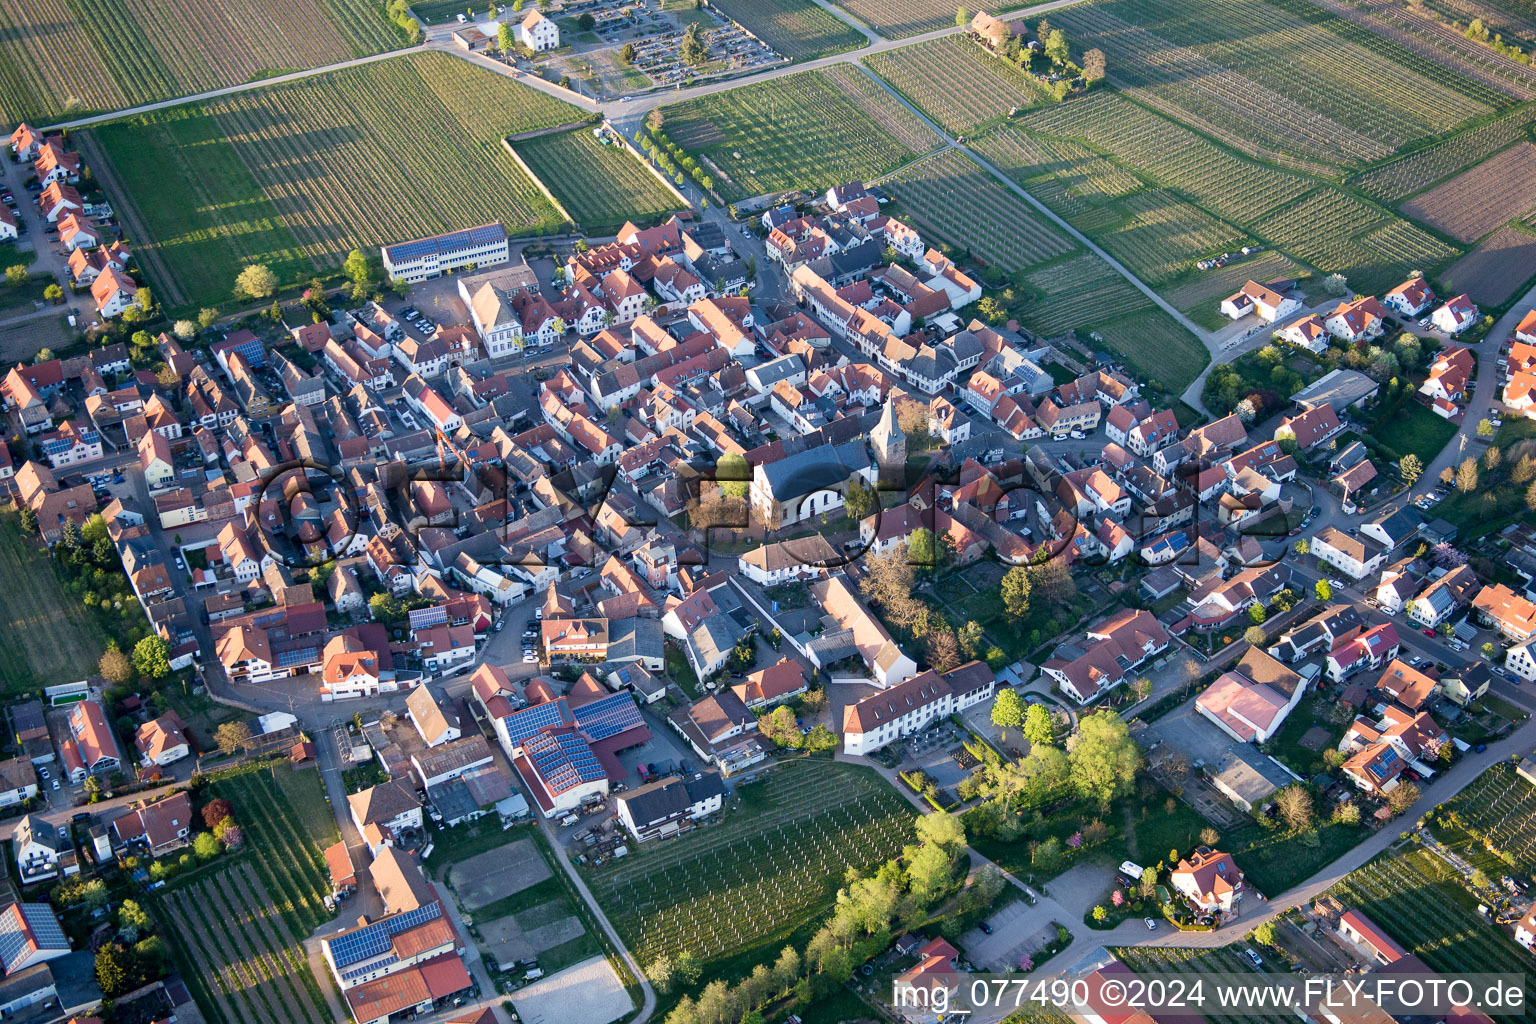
600,186
949,195
1281,79
767,868
67,58
46,635
806,131
955,81
298,174
799,29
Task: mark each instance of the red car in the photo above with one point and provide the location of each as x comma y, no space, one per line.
1429,632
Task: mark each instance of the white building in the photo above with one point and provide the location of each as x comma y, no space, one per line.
424,258
908,707
1355,557
670,806
538,33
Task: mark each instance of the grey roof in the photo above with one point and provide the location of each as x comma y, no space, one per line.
834,646
1339,388
1248,773
631,639
714,636
33,829
815,469
770,373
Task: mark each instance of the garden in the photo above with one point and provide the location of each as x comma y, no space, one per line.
1492,822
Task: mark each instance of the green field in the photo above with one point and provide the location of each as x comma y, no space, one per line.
600,186
1410,427
46,635
1422,168
1491,819
1420,901
896,19
1281,79
955,81
237,933
768,868
799,29
298,174
806,131
1157,348
67,58
949,195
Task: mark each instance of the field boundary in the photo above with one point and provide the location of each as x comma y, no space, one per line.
538,181
629,147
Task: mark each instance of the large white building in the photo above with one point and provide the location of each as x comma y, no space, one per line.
422,258
908,707
538,33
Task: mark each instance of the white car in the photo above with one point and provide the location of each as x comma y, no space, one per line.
1078,435
530,659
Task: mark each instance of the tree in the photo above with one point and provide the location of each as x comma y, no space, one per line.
231,736
941,829
1264,934
216,810
1484,428
205,846
114,665
779,726
1255,635
627,54
386,608
1039,730
16,274
1257,613
942,648
1410,468
1015,591
1056,47
971,635
1094,66
693,51
207,317
256,281
1336,285
1491,458
229,834
111,971
1295,805
1403,796
151,656
1466,475
1479,878
53,293
962,17
888,581
133,921
1104,759
732,475
923,548
506,39
1303,546
1148,881
1008,710
1323,591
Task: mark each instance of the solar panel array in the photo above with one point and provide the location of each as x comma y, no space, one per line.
529,721
415,250
564,761
297,656
608,716
436,615
374,940
41,927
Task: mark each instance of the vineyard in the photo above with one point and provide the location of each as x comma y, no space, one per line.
298,174
74,57
1420,901
1493,272
1072,180
1337,233
1274,83
799,29
950,195
241,929
1477,201
768,868
805,131
1421,169
1073,292
1157,346
600,186
955,82
1493,821
896,19
1164,235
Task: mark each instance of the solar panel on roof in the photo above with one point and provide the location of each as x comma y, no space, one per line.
530,720
374,940
421,618
301,656
608,716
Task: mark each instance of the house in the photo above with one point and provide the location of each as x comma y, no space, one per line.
1362,931
113,291
1510,613
160,826
1209,880
423,258
1444,597
1382,750
852,631
1359,320
92,741
781,681
1309,333
1456,315
30,934
561,769
720,730
1410,298
18,780
1261,301
1314,427
932,980
1364,651
912,705
670,806
1355,557
1449,375
436,720
1112,649
1339,388
40,850
162,741
1251,701
388,808
538,33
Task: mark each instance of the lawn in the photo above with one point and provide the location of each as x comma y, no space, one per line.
735,891
296,175
1405,426
68,57
46,635
600,186
799,29
240,928
806,131
1286,745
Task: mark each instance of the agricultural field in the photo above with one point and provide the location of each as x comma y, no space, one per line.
799,29
1420,901
1163,236
1200,295
1423,168
1076,183
1337,233
1072,292
1157,347
19,342
1492,819
292,175
69,58
771,866
1475,202
951,196
1493,272
241,928
806,131
897,19
955,81
1275,83
600,186
34,604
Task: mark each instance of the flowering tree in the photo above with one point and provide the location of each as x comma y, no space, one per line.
1026,962
1117,897
1075,840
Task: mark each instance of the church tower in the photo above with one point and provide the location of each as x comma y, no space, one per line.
890,444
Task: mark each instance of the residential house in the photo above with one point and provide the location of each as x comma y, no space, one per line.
1209,880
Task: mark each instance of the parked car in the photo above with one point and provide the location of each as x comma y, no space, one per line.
1253,958
1151,924
986,929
